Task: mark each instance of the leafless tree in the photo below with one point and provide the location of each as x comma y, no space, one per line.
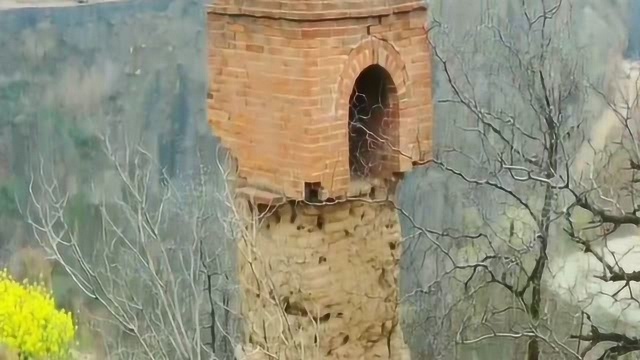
522,93
161,264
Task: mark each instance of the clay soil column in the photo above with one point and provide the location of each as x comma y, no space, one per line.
321,282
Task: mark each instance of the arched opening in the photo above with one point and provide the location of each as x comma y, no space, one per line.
373,116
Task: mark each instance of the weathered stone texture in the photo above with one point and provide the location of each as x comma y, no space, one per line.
322,283
280,87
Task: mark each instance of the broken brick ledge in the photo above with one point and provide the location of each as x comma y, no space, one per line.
360,189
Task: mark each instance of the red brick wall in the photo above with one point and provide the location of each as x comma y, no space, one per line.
315,9
280,91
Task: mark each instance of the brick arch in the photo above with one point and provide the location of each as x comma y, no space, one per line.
373,51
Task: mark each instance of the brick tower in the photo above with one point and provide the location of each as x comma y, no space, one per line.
313,96
326,101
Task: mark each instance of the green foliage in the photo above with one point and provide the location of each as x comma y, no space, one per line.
10,194
67,141
80,211
87,146
12,101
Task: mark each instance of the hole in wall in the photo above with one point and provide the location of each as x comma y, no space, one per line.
262,209
373,113
294,213
312,192
345,339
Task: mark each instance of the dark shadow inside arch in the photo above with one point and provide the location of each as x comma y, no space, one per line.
373,113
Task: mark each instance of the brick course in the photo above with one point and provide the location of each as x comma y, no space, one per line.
281,76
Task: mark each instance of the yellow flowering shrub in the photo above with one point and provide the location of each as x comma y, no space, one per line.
30,323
